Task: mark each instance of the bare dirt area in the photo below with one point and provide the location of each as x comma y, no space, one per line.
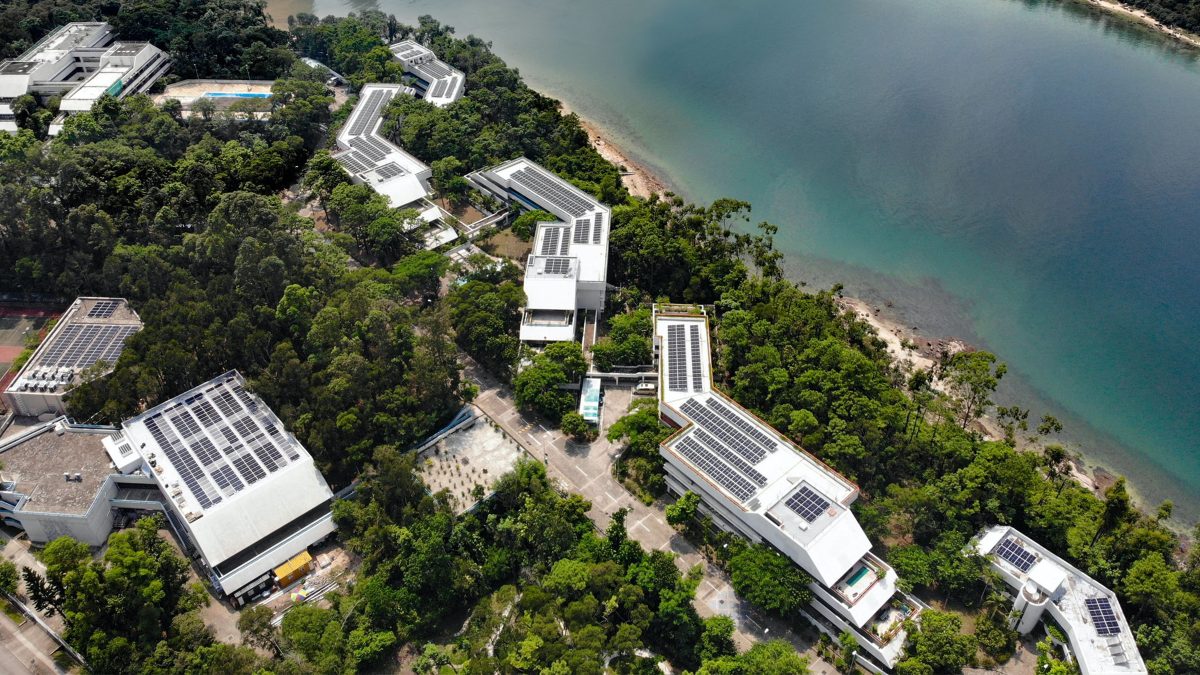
505,244
466,214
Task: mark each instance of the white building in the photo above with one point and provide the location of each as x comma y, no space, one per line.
757,483
435,80
247,494
92,330
57,481
80,62
1088,613
567,271
372,159
238,490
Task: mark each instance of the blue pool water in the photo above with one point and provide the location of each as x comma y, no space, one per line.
226,94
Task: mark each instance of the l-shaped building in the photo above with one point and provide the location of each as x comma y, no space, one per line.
566,274
81,63
757,483
1043,583
238,490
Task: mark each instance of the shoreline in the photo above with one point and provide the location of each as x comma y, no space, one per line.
895,333
1135,15
639,179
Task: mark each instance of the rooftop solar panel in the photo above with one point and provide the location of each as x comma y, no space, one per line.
715,469
706,419
552,191
389,170
676,359
807,503
550,240
103,309
558,266
758,435
730,456
1104,618
439,89
597,230
80,346
583,228
1012,551
697,371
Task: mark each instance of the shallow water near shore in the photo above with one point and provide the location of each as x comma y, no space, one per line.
1022,175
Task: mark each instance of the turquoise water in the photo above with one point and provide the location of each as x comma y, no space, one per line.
1024,175
225,94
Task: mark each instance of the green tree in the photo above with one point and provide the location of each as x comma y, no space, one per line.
939,643
577,428
254,623
717,639
684,509
769,580
973,378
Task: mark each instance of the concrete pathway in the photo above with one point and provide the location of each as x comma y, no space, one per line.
587,470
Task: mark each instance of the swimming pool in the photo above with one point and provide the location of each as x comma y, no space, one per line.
862,572
230,94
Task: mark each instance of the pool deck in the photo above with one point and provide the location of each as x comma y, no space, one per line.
188,91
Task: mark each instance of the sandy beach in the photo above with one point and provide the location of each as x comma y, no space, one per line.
912,351
639,180
1140,16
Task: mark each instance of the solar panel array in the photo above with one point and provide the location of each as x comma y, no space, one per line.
354,161
552,191
697,374
676,359
758,435
807,503
439,89
728,435
371,147
389,170
370,111
550,240
1104,618
730,456
558,266
103,309
583,227
599,228
722,473
82,345
220,440
1012,551
436,70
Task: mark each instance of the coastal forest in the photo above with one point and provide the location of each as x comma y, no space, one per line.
346,332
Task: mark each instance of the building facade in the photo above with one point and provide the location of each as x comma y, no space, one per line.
1044,585
81,63
86,342
567,272
755,482
239,491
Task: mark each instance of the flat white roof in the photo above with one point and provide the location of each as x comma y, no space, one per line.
90,331
756,469
65,39
580,234
1077,600
443,84
375,160
228,466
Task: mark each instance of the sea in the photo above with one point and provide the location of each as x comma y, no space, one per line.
1020,174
